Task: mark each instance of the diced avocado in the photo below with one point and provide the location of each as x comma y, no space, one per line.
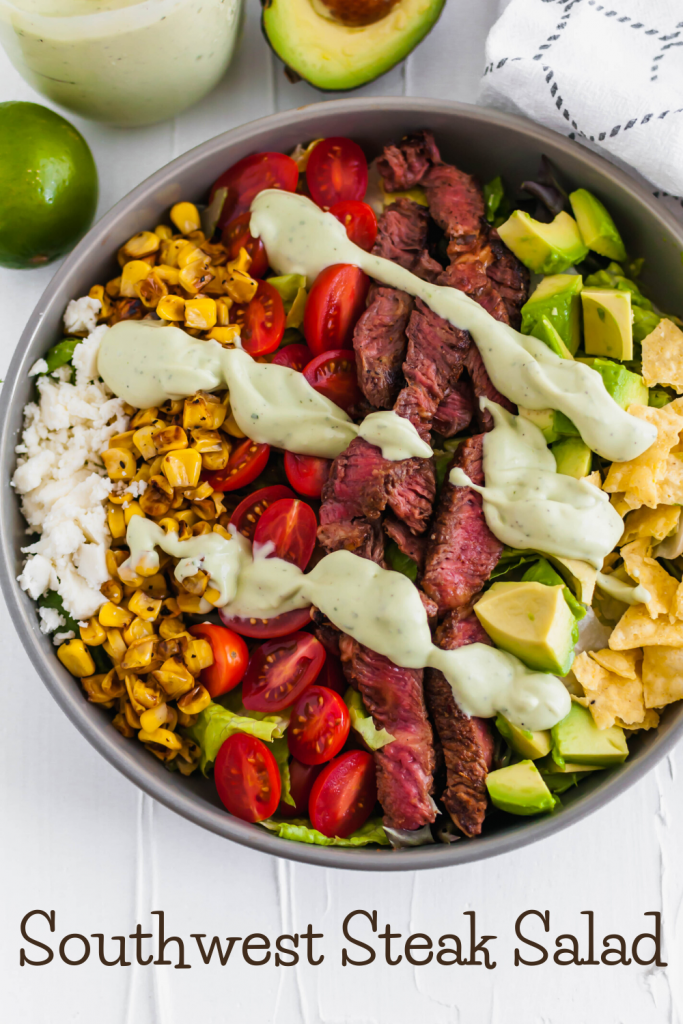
644,322
573,457
523,741
658,398
607,322
557,298
520,789
577,739
597,228
544,248
561,783
625,387
544,330
417,194
338,44
531,621
549,766
544,419
542,572
579,576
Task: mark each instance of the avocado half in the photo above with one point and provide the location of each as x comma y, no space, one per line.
337,57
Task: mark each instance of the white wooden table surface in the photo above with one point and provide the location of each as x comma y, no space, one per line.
77,838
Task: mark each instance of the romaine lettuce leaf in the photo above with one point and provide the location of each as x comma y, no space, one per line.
280,751
215,723
511,558
362,722
543,572
301,831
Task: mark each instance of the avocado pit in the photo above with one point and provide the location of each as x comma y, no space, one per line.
354,13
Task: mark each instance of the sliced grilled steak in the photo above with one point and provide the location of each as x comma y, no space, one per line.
405,165
461,551
510,277
379,340
402,238
456,203
482,385
395,699
359,536
467,742
468,274
412,546
457,409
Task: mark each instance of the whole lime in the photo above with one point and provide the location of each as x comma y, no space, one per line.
48,185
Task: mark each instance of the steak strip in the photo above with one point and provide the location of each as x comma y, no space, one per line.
402,238
379,339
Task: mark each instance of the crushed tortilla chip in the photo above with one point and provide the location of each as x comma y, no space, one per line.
657,523
608,696
621,663
663,356
662,675
677,605
640,478
635,628
651,721
646,570
670,488
594,478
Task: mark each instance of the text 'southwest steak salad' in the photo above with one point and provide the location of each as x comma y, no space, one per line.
374,513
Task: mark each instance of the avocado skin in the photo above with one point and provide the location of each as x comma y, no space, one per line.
296,75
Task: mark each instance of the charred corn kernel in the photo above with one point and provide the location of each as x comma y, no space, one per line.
190,604
131,715
230,426
219,507
171,307
161,753
193,277
144,606
186,720
116,521
93,634
186,217
168,253
143,418
200,313
205,490
217,528
169,525
225,335
155,587
119,463
178,502
223,306
157,498
240,287
144,440
201,530
169,275
151,290
217,460
138,629
76,657
113,288
136,270
155,466
121,724
168,648
170,439
130,577
186,768
142,244
187,516
200,413
113,560
124,440
146,693
206,440
171,627
154,718
174,677
182,468
163,231
197,236
241,263
211,594
197,655
114,616
112,590
163,736
121,499
139,655
102,688
139,709
195,584
97,292
191,253
205,509
172,406
195,701
133,509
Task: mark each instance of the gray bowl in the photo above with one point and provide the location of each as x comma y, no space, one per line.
481,141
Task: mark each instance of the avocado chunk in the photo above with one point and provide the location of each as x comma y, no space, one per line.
625,387
552,423
597,228
549,766
523,741
531,621
607,322
577,739
573,457
561,783
557,299
544,248
520,789
579,576
317,41
547,333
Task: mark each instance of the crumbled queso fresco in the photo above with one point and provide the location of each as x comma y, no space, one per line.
61,479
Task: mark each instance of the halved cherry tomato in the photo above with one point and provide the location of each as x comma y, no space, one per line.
301,779
280,670
337,170
230,658
344,794
333,374
307,473
294,356
291,526
249,176
359,220
319,725
248,512
247,777
261,321
266,629
332,675
237,236
334,305
245,464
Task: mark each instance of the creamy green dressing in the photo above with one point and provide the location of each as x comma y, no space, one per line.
300,238
146,363
529,505
377,607
621,591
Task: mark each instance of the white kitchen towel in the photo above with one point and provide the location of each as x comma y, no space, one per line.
608,74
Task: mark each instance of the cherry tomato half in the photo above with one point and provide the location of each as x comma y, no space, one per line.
261,321
280,670
294,356
307,473
333,374
247,777
290,525
344,794
301,779
249,176
332,675
245,464
334,305
249,511
237,236
337,170
319,725
359,220
266,629
230,658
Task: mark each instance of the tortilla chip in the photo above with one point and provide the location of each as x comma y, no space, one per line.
663,356
657,523
635,628
622,505
651,721
670,488
677,604
662,676
608,696
641,477
646,570
620,663
594,478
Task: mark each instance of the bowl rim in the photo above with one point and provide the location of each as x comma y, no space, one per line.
98,731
